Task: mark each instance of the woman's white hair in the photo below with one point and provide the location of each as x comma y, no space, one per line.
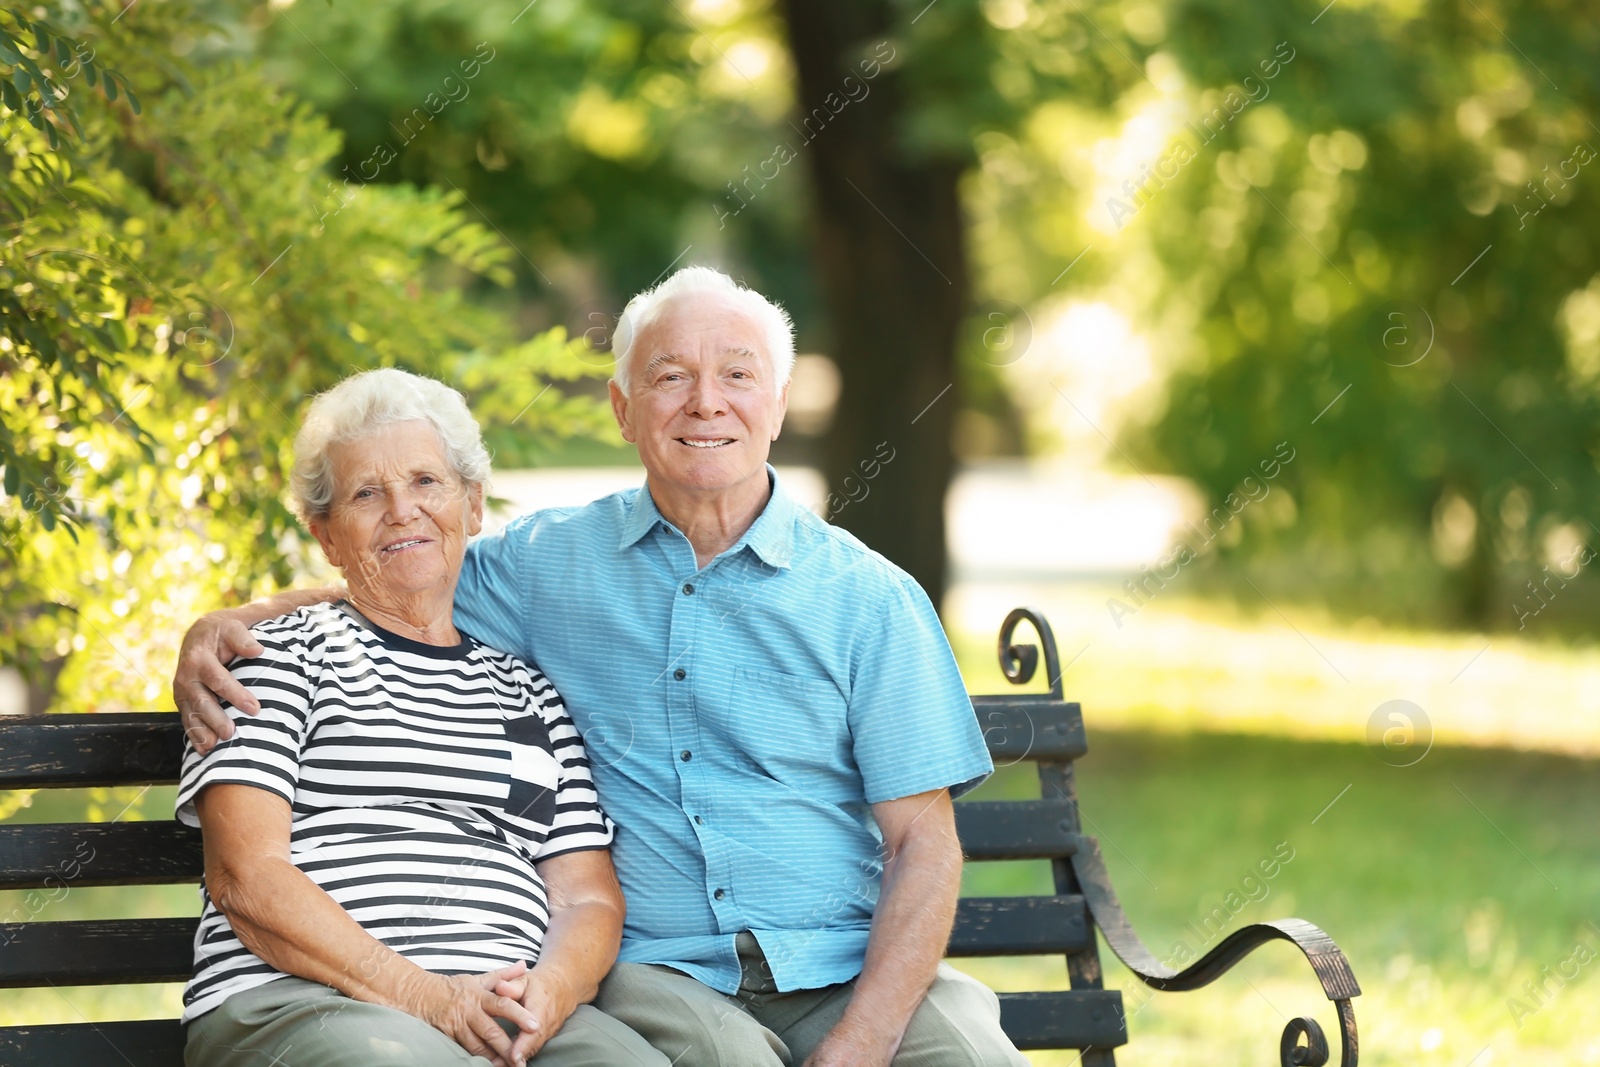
776,327
364,402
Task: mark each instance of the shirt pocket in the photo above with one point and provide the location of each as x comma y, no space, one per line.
535,771
788,721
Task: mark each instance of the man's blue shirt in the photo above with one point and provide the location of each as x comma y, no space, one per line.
740,719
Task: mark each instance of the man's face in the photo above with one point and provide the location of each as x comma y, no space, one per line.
703,406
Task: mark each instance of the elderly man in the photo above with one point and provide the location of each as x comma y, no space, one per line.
773,714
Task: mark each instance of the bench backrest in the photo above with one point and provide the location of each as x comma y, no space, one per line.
64,751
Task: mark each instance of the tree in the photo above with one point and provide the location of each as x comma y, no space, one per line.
177,284
1291,204
605,140
1394,269
612,140
890,247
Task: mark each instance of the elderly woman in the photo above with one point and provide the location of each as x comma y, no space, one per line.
405,861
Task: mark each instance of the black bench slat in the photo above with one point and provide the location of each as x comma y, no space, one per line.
1016,829
159,950
146,1043
1077,1018
96,952
1030,728
1019,926
54,855
53,751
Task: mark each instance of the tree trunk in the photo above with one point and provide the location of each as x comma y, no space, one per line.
888,235
1475,585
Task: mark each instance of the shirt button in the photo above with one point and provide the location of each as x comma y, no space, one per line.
686,755
698,821
680,674
719,894
688,589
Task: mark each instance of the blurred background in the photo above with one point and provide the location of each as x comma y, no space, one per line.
1256,343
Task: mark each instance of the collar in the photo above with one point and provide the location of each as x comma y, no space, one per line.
771,536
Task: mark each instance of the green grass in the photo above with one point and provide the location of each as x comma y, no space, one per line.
1183,665
1448,884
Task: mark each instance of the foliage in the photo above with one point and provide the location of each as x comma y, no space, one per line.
1340,229
1282,239
176,285
36,95
598,137
610,140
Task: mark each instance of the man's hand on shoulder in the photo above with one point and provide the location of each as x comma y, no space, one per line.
202,677
201,680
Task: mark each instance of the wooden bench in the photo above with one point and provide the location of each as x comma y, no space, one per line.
140,749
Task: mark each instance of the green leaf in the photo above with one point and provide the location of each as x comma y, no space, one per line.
133,101
9,94
111,87
33,69
42,38
13,479
90,74
47,518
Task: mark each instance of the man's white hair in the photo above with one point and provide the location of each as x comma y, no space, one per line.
364,402
776,327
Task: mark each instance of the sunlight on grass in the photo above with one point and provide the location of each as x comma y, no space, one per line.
1443,920
1179,664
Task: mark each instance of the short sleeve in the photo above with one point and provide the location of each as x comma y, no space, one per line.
491,604
265,748
579,823
911,720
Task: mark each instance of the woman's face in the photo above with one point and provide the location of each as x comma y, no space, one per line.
400,516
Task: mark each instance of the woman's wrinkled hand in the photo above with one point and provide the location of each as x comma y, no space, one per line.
465,1006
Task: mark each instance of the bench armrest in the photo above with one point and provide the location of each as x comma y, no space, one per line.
1330,965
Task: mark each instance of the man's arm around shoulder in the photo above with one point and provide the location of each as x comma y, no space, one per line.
201,681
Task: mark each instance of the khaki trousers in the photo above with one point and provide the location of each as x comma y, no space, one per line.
290,1022
957,1025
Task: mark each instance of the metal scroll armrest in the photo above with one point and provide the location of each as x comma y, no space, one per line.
1330,965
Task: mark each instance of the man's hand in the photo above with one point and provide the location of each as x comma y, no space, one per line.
202,678
217,639
848,1045
464,1007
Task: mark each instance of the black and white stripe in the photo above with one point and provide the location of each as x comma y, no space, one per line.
424,781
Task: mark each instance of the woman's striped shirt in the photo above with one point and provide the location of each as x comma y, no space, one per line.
424,782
